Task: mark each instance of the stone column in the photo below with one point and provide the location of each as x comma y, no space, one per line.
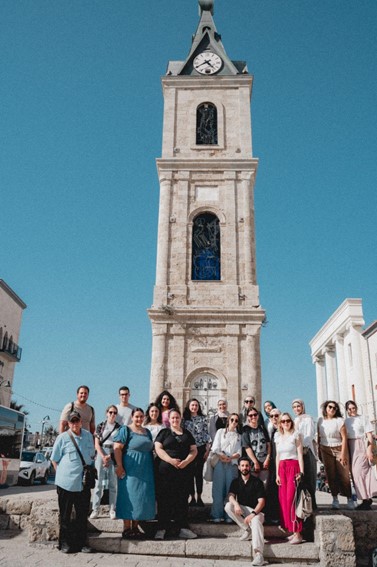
331,374
357,371
158,360
320,372
163,230
344,390
253,365
248,215
178,376
232,365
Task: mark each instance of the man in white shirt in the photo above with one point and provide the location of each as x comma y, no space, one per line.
124,408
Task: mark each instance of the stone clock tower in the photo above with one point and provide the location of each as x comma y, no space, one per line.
206,317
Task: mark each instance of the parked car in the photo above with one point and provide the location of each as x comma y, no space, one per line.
33,466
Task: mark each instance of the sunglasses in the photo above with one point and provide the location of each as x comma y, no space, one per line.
249,402
252,415
332,407
233,420
274,415
112,412
285,421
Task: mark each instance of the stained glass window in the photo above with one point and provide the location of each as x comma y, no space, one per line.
206,247
206,124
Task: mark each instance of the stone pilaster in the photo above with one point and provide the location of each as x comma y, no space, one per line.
320,372
331,374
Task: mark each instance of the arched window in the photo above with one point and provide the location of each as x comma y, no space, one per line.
206,247
206,124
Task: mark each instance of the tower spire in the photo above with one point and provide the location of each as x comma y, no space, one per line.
206,5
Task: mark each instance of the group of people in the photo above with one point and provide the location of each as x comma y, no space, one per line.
154,462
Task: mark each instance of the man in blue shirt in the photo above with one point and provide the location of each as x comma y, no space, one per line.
69,484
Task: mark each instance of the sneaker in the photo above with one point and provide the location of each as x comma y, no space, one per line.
160,534
216,520
258,559
246,536
185,533
94,515
112,515
87,549
228,521
296,540
335,504
350,504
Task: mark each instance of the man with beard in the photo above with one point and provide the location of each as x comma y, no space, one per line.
246,502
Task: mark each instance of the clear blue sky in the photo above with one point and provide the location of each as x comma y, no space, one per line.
81,121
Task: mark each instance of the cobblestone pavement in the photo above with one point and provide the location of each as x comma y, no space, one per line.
15,551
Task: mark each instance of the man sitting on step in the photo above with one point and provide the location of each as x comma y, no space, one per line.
246,500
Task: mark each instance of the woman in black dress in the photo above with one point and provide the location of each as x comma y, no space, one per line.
176,450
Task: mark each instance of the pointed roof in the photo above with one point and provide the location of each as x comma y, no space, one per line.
206,38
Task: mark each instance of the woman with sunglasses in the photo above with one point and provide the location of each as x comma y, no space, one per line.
104,444
289,471
359,431
333,452
304,424
196,422
227,447
257,446
133,450
176,450
219,420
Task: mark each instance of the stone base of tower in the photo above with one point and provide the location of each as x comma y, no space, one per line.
207,354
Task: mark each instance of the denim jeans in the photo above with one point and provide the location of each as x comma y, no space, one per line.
223,474
112,478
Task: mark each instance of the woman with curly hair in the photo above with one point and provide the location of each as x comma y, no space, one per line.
333,452
166,402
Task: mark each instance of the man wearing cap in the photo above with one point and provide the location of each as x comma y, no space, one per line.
69,484
246,500
249,403
82,407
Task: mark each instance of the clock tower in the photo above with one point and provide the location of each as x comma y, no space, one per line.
206,317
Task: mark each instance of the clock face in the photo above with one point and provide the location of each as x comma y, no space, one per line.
207,63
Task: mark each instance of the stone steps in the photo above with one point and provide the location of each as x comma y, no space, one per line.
215,541
207,548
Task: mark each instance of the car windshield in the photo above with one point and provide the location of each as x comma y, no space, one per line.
27,456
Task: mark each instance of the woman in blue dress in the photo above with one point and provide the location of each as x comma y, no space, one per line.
133,452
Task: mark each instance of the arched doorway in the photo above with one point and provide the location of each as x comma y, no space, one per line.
207,388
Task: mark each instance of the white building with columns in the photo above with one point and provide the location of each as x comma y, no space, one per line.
345,358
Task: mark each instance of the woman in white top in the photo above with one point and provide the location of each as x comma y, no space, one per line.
227,446
360,431
153,420
289,470
304,424
333,452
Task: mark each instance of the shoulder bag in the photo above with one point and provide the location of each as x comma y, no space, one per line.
89,472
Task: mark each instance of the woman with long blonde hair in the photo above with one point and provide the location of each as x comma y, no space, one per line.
289,471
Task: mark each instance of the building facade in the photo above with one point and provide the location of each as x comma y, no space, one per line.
11,308
345,358
206,317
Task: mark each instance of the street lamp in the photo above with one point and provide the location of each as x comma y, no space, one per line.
45,420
